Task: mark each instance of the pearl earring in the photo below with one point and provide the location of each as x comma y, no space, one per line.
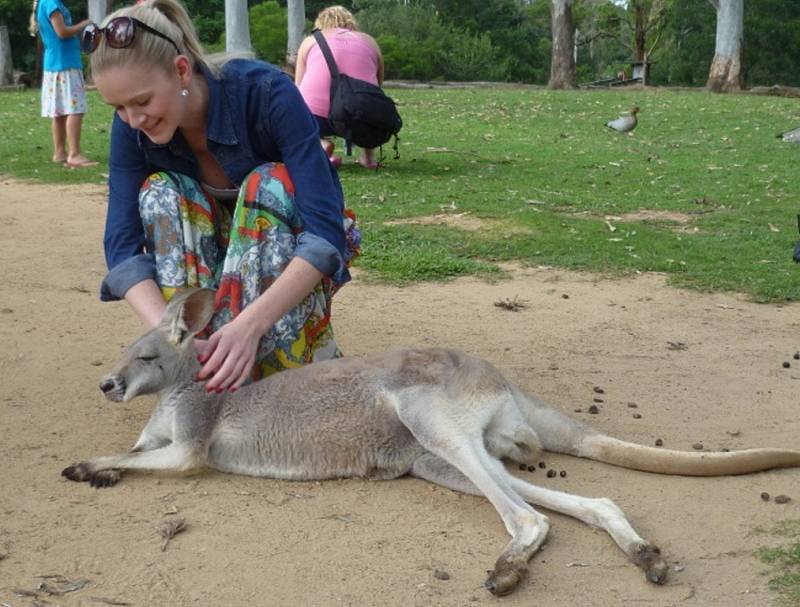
184,92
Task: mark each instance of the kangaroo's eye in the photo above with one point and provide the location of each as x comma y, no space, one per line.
146,359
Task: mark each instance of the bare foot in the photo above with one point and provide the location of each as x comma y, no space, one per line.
59,158
367,159
328,146
79,162
368,164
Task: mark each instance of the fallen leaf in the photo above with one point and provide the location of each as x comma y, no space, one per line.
170,528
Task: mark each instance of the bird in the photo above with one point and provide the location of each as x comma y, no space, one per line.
792,136
625,123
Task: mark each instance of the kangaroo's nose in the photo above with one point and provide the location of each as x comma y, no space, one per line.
107,384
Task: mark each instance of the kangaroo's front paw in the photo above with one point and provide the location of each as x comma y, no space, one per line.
78,472
105,478
648,557
83,472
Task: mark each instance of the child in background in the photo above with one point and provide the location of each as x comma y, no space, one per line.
63,94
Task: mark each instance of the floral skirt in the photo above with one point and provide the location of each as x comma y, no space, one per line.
198,243
63,93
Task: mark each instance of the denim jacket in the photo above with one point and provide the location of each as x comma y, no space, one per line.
255,115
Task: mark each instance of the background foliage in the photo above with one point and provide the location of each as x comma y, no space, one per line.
502,40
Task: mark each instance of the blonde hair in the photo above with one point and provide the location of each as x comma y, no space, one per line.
33,26
336,16
170,18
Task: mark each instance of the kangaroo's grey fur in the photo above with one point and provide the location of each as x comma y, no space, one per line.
436,414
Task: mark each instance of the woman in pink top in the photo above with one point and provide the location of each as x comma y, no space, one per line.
356,54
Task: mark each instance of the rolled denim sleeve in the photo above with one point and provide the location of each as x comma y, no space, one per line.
126,274
319,253
124,240
318,193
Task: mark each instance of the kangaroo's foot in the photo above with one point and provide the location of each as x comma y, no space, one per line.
99,479
505,576
648,558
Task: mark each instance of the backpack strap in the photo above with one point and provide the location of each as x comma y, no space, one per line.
326,51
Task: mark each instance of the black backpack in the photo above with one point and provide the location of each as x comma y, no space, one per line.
360,112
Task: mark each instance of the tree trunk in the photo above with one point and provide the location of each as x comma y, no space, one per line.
6,65
640,31
726,69
98,9
562,60
237,26
297,25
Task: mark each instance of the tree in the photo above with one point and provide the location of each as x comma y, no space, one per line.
237,31
637,27
562,64
98,9
296,29
772,52
6,65
726,68
268,31
688,45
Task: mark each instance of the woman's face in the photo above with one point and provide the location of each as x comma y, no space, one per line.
146,98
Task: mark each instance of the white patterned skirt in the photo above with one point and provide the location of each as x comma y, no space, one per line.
63,93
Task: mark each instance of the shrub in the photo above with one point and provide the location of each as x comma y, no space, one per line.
268,31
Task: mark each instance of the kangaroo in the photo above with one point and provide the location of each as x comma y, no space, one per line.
436,414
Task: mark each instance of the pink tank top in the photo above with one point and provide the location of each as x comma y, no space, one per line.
354,56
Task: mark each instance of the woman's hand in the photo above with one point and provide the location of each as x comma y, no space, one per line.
228,355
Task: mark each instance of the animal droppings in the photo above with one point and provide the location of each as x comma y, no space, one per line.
765,496
551,473
782,499
659,442
786,364
563,474
594,410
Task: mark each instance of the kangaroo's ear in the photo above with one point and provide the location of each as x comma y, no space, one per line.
187,313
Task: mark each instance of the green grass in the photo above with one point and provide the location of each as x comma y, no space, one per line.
785,563
546,182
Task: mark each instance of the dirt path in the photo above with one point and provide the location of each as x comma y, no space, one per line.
698,368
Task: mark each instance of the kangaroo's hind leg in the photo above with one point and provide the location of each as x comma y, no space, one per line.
442,435
602,513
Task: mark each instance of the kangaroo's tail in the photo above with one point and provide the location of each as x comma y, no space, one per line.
686,463
559,433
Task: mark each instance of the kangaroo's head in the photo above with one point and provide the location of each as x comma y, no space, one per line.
164,356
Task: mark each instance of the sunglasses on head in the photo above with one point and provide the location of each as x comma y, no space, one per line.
120,33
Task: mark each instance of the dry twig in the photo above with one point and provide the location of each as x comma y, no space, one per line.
170,528
514,305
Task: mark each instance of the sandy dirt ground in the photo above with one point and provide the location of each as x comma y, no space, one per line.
674,365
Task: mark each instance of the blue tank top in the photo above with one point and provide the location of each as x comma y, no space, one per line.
59,54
